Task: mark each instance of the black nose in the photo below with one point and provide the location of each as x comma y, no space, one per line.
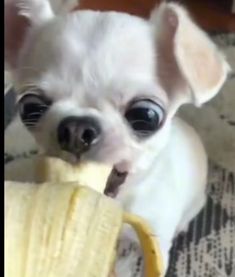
77,134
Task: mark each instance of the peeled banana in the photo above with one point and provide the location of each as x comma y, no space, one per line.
91,174
42,169
54,231
66,230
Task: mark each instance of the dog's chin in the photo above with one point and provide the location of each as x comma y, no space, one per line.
116,178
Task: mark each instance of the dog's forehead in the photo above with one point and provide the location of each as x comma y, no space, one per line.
93,48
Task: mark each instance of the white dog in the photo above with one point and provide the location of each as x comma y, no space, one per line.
106,86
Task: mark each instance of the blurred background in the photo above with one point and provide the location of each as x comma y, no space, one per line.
211,15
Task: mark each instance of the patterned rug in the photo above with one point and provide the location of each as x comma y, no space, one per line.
208,248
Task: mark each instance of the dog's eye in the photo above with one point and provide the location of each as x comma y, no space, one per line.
145,117
31,108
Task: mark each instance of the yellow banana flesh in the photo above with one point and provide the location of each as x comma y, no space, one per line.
42,169
58,231
61,229
91,174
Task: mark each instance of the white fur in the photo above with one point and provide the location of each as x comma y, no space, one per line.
63,6
93,63
171,191
37,11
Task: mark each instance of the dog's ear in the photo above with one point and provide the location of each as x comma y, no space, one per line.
189,66
21,17
63,6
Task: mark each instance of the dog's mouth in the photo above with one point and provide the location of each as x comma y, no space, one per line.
115,180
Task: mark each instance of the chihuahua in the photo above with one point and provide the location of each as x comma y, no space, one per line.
106,86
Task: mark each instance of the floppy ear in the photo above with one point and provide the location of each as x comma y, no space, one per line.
22,16
189,66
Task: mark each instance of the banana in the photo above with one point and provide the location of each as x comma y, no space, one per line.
148,241
42,169
18,204
59,231
67,230
91,174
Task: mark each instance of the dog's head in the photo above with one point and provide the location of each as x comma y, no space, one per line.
101,86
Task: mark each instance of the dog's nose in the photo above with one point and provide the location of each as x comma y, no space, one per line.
77,134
